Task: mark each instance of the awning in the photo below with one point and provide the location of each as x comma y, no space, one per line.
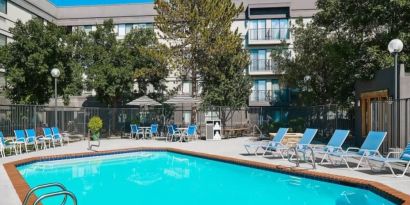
183,100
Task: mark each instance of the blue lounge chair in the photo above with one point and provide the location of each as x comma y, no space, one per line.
6,145
370,147
334,145
304,143
135,131
270,145
190,133
31,134
57,136
48,136
388,161
172,133
152,131
21,139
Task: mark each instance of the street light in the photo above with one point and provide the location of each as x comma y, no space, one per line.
395,47
55,72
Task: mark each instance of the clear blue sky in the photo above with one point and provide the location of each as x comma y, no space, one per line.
95,2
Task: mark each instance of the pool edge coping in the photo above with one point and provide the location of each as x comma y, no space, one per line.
21,187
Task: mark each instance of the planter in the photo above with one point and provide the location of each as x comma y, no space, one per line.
95,136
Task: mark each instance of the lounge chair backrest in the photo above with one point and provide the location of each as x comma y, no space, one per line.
31,135
170,130
174,127
56,132
20,135
191,130
2,140
338,138
406,153
154,128
280,135
47,132
133,128
308,136
373,141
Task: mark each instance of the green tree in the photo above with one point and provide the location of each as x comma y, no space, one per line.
224,82
192,28
347,41
113,65
37,49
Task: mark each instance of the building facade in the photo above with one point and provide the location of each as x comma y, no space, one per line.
264,25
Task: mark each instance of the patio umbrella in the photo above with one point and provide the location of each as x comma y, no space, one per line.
143,101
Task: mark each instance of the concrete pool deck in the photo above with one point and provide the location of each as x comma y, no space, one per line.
227,148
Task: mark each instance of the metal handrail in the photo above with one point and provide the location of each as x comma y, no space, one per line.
43,186
304,156
65,193
257,128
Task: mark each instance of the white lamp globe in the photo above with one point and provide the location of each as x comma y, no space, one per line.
55,73
395,46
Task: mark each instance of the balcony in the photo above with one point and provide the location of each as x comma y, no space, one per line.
270,97
265,36
263,67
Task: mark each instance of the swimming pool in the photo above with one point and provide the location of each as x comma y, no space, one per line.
171,178
65,3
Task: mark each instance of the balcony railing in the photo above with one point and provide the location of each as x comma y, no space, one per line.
263,65
269,34
273,97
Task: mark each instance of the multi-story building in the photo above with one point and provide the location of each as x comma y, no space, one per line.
265,26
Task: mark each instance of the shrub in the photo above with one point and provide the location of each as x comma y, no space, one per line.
95,124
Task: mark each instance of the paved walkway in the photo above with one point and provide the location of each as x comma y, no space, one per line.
231,148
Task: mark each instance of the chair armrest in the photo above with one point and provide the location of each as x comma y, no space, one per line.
352,148
390,153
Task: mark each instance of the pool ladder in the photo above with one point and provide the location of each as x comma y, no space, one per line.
62,192
304,156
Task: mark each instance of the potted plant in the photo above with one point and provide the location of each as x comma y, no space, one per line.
94,125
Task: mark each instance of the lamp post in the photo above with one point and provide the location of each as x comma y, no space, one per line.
55,72
395,47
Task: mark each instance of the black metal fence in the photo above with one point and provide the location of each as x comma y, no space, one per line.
383,119
117,120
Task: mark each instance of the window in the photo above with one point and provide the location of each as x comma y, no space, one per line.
257,29
3,40
259,90
87,29
186,87
128,28
259,60
280,29
121,29
3,6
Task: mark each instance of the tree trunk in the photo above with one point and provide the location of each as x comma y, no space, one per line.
194,95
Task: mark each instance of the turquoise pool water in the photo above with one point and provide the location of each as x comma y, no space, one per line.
159,178
63,3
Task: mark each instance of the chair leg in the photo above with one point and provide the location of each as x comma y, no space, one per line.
360,162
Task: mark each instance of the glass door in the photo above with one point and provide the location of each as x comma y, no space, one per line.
262,29
261,60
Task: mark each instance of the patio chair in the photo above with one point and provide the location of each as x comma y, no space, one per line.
48,137
6,145
172,133
304,143
334,145
152,131
370,147
22,139
135,131
190,133
31,133
269,145
388,161
57,136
